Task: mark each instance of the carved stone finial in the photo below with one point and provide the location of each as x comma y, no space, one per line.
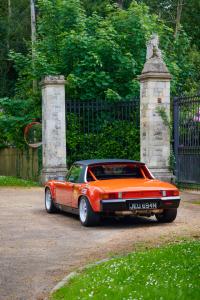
152,47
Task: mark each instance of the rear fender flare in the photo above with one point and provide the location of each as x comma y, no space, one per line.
88,198
93,196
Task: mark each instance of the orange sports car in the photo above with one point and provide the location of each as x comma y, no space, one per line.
93,188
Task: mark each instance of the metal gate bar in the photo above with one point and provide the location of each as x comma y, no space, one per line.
93,118
187,138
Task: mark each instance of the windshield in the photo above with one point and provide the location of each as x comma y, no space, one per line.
115,171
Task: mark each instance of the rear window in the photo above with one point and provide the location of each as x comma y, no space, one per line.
114,171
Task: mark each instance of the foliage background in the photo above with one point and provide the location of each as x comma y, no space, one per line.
100,47
112,138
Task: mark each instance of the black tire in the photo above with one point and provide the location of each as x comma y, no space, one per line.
49,204
127,219
89,217
168,215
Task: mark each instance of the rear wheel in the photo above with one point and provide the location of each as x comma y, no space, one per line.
168,215
49,204
86,215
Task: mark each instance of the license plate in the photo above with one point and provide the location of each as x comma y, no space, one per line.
146,205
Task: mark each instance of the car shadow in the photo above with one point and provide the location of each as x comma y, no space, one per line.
118,222
110,222
126,222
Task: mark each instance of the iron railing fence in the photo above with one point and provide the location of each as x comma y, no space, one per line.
102,129
187,138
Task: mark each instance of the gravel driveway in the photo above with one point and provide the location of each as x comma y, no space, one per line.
37,250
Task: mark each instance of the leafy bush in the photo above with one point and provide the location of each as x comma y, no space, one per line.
116,139
15,114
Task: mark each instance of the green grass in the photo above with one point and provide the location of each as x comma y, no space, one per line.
189,186
168,272
196,202
14,181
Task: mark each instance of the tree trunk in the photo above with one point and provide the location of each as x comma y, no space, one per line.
33,37
178,17
33,21
120,3
9,24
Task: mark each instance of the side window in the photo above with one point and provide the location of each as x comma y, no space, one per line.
74,173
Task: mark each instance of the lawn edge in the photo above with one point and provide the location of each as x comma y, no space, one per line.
73,274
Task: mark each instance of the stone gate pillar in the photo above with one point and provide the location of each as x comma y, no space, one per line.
53,127
155,112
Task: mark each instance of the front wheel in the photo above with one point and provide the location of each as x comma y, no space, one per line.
86,215
168,215
49,204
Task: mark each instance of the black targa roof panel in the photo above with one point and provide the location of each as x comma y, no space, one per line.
105,161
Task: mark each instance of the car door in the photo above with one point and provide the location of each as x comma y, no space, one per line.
63,192
65,189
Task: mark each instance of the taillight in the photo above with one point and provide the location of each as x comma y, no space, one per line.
109,196
170,193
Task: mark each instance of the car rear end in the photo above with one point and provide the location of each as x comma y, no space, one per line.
129,188
143,202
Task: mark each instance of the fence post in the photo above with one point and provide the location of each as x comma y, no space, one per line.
155,112
53,128
176,133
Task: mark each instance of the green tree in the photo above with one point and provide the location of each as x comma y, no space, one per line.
101,56
191,20
168,10
14,34
97,55
101,6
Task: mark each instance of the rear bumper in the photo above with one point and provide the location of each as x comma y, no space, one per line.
113,205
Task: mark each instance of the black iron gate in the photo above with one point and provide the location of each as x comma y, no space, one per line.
102,129
187,139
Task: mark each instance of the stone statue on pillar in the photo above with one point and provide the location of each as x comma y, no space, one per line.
152,47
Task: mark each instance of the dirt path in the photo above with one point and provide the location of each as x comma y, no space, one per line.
37,250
